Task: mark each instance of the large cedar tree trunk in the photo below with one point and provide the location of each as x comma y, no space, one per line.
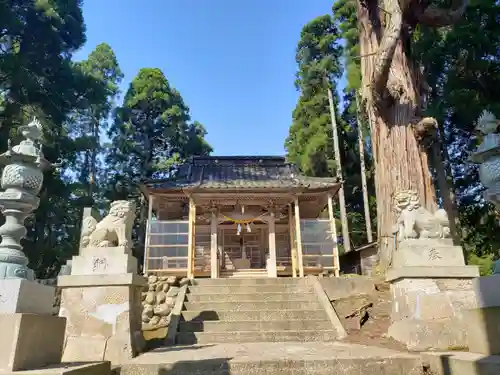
392,92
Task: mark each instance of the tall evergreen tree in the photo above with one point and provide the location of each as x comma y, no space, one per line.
309,144
151,134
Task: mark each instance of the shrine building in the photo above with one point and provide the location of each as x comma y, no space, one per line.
230,216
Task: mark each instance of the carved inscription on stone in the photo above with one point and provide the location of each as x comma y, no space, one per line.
434,254
99,264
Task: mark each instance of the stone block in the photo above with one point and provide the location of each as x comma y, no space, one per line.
487,289
84,349
30,341
23,296
421,306
104,264
419,335
460,363
104,310
451,272
483,330
343,287
100,251
426,252
428,313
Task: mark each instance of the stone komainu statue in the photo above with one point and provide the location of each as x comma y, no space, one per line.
115,229
414,221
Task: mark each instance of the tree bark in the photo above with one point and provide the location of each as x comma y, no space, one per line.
392,94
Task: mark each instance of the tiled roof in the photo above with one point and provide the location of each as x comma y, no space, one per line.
239,172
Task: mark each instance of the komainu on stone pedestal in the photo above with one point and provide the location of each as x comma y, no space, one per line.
115,229
431,286
414,221
101,298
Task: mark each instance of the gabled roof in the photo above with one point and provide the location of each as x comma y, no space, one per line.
239,172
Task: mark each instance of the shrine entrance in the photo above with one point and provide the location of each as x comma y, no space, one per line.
246,250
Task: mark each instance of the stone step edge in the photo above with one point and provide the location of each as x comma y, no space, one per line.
250,301
287,331
267,310
252,293
251,321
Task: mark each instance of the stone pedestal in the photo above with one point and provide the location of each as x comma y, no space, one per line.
101,300
103,261
483,322
431,289
25,323
23,296
30,341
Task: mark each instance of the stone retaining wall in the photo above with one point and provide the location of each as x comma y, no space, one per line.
158,299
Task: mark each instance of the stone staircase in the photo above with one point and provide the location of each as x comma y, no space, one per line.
244,310
263,326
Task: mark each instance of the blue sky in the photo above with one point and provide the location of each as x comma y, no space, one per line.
233,61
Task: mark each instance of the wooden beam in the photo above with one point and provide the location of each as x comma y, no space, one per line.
148,235
191,238
333,229
298,237
214,263
271,263
293,247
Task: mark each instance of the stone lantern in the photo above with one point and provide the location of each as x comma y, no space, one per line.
22,180
487,155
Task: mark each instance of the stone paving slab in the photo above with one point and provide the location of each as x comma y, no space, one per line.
291,358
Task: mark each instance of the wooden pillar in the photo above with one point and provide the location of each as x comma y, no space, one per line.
148,235
298,237
333,229
191,238
293,246
271,263
214,262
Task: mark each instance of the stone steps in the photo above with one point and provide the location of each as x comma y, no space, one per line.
249,281
253,310
252,315
252,305
249,288
283,358
252,325
189,338
244,274
261,296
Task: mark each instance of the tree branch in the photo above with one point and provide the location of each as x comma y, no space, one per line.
386,50
438,17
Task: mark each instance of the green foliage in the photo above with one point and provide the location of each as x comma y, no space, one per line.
461,65
309,144
485,263
152,130
73,102
151,134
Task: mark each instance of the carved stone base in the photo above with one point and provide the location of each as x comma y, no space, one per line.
428,306
103,261
104,317
30,341
427,252
23,296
